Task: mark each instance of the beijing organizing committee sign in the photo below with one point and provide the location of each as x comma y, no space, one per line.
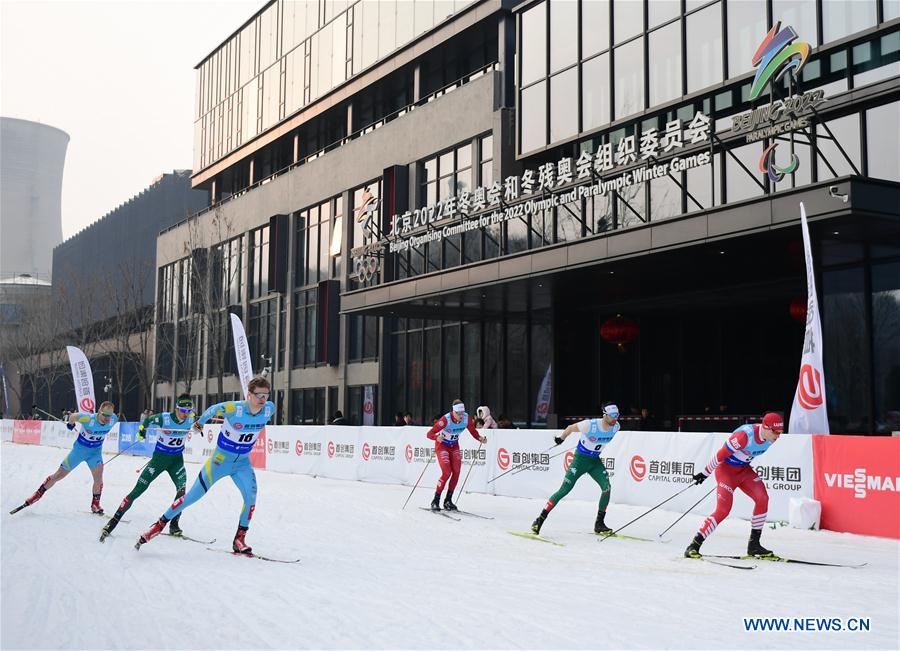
594,174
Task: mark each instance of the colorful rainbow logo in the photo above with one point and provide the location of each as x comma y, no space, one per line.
778,54
767,164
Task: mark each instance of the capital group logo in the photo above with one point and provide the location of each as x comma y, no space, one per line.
298,448
809,388
637,468
209,436
408,453
366,451
767,164
270,444
568,457
503,458
87,405
776,55
330,449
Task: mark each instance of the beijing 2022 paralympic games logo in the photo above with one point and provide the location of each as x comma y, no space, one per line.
776,55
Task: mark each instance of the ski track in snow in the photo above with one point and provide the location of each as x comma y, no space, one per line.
373,576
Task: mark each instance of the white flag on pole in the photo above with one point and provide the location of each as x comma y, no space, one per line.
542,404
83,379
809,415
241,352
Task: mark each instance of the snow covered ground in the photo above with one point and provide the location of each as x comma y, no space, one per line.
373,576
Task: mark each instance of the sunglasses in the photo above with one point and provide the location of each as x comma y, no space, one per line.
260,395
614,415
185,410
104,414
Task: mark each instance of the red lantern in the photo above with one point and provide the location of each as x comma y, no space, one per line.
620,331
798,309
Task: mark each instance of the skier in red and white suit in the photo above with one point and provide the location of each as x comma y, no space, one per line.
445,434
732,467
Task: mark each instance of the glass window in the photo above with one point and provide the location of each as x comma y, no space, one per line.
387,27
563,111
876,60
704,48
664,62
368,26
534,44
563,34
594,26
886,343
662,10
840,18
844,334
799,14
665,198
738,183
846,131
424,18
517,382
628,17
631,205
595,92
891,9
883,140
629,78
405,21
700,184
534,117
746,30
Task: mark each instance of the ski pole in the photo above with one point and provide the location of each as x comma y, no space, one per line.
474,458
521,465
121,451
48,413
538,462
142,467
610,535
659,535
416,485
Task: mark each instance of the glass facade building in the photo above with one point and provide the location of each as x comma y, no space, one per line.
541,205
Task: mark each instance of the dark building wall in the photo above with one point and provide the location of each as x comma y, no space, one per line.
124,242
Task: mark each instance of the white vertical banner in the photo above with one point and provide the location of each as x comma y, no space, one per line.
809,414
241,352
542,404
368,406
83,379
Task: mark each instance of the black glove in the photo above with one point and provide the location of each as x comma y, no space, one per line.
700,477
71,426
558,440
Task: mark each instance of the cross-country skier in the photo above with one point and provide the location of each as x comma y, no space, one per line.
595,434
168,456
87,448
243,421
745,444
445,434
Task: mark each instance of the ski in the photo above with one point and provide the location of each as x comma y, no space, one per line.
196,540
96,513
256,556
19,508
779,559
725,564
446,515
534,536
619,535
474,515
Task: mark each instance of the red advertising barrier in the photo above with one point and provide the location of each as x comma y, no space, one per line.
258,453
27,431
857,480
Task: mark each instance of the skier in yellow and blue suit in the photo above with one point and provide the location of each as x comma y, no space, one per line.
243,422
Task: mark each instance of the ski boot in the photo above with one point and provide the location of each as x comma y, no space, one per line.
448,502
754,548
174,529
96,509
151,533
538,523
599,525
108,528
436,502
693,550
238,545
38,494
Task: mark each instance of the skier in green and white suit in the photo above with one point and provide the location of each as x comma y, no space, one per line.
595,433
168,456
